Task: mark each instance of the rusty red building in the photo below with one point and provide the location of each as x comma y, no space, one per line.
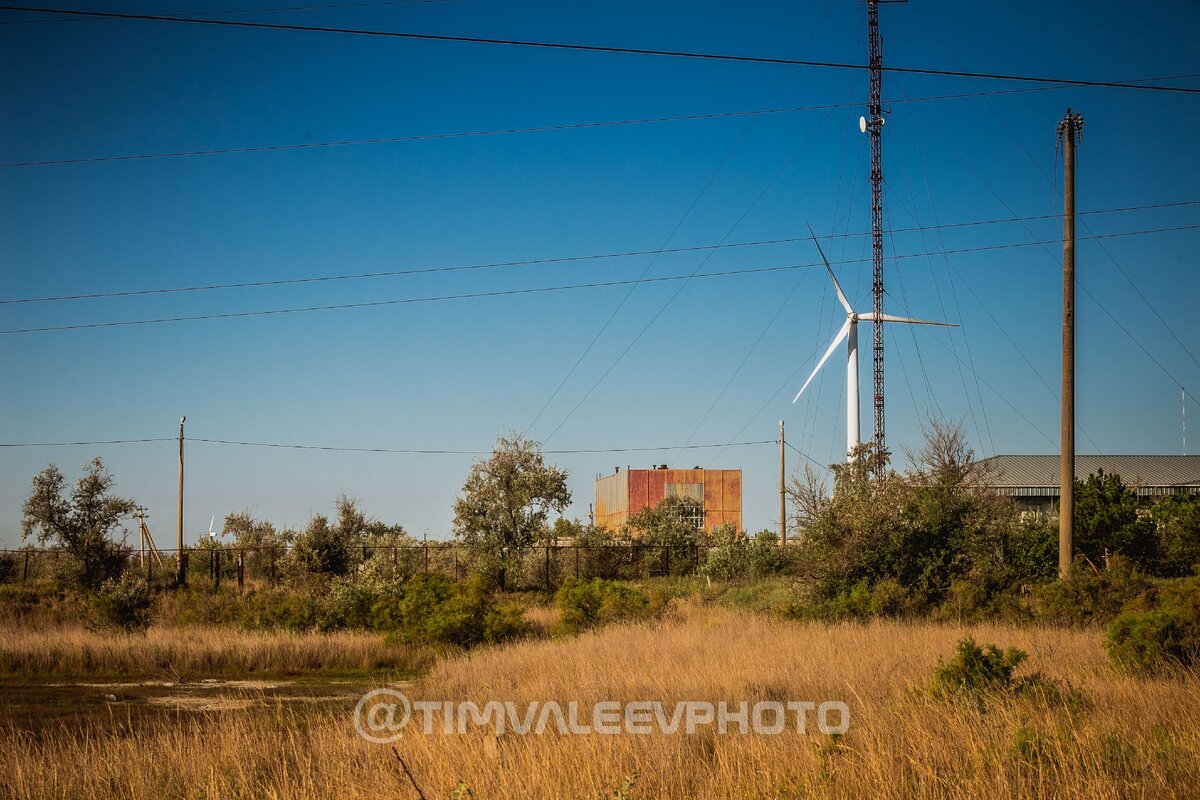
627,491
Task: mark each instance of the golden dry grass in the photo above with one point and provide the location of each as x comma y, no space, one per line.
78,652
1136,737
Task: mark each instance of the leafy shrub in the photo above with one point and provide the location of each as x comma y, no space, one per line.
852,603
965,600
890,599
1145,642
977,670
1181,599
435,609
735,555
587,604
122,603
1090,596
294,610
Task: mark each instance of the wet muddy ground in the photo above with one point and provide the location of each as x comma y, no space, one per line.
95,706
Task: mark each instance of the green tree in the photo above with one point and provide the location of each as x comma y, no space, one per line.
674,522
1176,521
321,549
81,522
505,503
1107,521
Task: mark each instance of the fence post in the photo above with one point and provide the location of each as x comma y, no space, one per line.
241,570
547,566
25,568
576,562
215,560
667,560
425,547
454,549
182,558
272,563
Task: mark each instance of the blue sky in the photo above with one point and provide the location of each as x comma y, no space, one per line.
454,375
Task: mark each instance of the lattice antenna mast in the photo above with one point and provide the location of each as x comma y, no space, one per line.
875,129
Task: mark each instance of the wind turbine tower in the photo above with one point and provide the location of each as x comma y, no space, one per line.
849,332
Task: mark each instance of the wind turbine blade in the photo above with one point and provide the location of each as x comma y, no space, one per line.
842,334
837,287
907,320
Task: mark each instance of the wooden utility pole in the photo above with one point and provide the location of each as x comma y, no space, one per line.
1069,131
782,489
180,561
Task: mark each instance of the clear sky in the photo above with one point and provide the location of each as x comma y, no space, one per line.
723,355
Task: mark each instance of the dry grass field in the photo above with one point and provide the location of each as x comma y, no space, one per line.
1130,737
183,652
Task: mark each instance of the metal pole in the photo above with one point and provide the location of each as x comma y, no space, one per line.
1068,132
181,578
782,488
874,125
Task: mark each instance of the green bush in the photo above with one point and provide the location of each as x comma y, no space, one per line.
435,609
122,603
965,600
1090,596
890,599
977,670
587,604
1145,642
733,554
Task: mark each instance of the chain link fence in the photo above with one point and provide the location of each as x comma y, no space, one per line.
543,566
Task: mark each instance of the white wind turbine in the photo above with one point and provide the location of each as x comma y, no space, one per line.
849,332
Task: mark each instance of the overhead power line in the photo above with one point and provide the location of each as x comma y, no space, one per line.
403,451
268,10
424,137
88,444
549,289
556,259
567,126
597,48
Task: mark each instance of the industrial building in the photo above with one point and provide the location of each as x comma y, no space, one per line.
1033,480
626,492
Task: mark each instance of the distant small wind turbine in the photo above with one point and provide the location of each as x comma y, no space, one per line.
212,535
849,332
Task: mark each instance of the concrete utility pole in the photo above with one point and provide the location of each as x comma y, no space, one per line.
1069,132
782,489
181,577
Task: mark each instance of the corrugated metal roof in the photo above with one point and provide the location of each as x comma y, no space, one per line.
1152,474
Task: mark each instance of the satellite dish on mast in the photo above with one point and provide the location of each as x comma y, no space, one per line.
862,124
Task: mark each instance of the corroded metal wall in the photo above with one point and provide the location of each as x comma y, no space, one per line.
626,492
